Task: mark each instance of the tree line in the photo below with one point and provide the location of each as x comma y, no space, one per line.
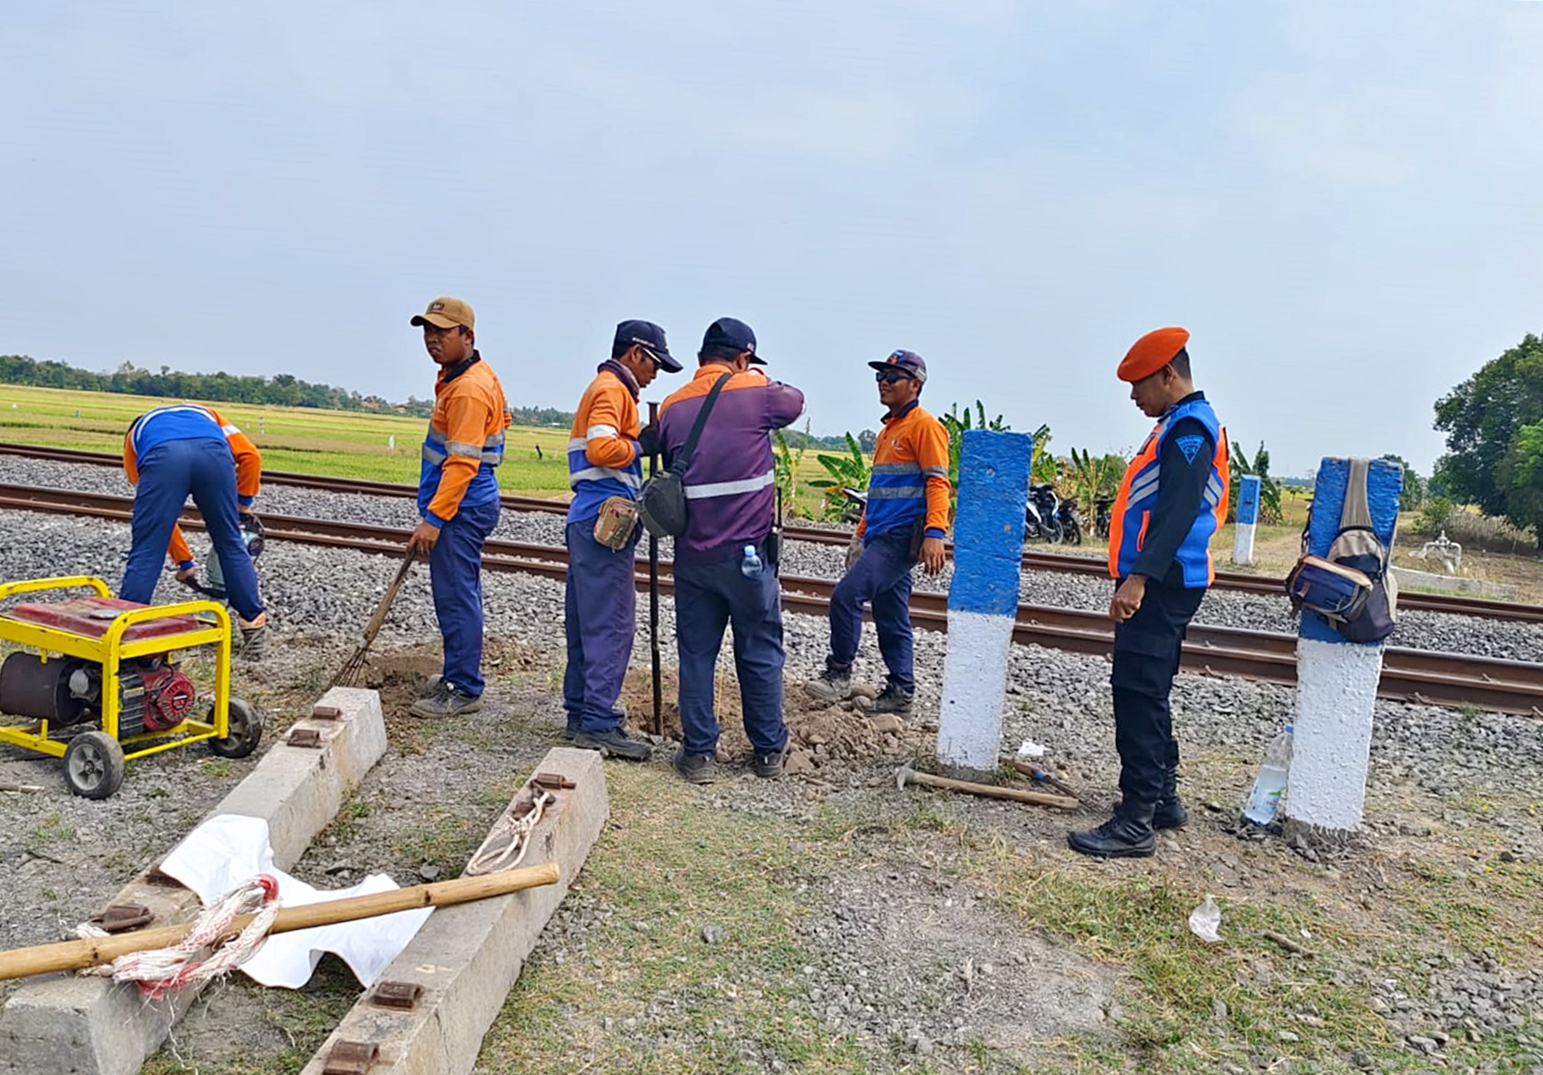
280,390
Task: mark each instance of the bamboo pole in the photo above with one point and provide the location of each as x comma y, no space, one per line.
92,951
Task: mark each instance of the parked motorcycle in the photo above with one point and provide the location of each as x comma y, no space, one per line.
1041,517
856,503
1101,506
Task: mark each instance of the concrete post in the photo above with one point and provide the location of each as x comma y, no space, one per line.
983,597
1336,679
1247,517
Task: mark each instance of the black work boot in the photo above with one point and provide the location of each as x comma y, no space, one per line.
1169,812
1128,834
695,768
891,699
832,685
613,743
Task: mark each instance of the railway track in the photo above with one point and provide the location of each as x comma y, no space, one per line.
1457,605
1407,674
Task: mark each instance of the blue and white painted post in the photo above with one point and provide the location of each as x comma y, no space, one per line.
983,597
1247,517
1337,679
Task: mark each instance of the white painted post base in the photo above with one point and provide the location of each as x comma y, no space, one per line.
1243,543
1336,694
974,686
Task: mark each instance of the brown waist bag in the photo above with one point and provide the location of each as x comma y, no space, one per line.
617,520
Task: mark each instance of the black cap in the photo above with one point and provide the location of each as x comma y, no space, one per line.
733,335
909,361
650,337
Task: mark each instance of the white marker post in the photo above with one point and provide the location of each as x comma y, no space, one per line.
983,597
1336,678
1247,517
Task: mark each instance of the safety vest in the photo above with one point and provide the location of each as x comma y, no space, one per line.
1133,507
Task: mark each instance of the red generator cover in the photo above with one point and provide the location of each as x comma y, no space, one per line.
90,617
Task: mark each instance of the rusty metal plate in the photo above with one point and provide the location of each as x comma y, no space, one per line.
552,781
120,917
326,712
304,737
351,1058
400,995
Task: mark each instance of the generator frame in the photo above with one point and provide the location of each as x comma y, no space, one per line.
110,651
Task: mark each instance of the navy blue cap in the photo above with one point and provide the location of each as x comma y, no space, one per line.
734,335
650,337
909,361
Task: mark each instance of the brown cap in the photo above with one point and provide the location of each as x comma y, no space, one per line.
1151,353
445,312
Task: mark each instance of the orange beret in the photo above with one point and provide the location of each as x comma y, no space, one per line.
1152,352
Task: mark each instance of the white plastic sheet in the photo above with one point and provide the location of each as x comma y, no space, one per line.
229,849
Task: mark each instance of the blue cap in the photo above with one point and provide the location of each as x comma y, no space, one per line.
909,361
650,337
734,335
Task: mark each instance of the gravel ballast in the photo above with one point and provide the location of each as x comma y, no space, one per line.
1223,608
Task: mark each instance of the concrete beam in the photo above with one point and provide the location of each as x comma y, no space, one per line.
466,958
72,1025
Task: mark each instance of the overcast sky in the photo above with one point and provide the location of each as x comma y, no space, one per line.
1342,202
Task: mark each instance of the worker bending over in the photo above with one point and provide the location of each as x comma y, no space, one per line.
185,450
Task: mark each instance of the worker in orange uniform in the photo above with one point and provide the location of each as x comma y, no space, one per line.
904,521
1172,499
458,498
605,469
185,450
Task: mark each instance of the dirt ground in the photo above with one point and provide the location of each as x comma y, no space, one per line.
867,929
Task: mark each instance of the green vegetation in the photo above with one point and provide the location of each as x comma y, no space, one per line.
1269,489
1494,427
280,390
849,471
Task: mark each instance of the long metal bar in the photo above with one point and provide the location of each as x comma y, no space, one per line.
1408,674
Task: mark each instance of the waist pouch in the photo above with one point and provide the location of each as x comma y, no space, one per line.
617,520
1334,591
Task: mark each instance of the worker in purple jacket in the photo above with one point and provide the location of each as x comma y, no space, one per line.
724,572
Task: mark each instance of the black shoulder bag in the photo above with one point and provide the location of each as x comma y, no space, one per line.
662,500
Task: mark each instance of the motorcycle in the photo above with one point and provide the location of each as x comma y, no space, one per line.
1041,521
856,502
1049,518
1101,506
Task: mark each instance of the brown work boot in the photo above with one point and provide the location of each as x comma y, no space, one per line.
254,636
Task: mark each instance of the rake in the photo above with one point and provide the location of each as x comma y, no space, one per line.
353,668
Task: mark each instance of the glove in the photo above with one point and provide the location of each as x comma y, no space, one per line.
648,440
854,552
253,532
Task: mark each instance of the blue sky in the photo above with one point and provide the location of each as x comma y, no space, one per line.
1342,202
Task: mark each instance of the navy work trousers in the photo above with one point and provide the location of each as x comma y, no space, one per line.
882,576
708,596
455,577
599,605
169,473
1146,658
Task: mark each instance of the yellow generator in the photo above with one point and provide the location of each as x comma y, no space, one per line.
98,678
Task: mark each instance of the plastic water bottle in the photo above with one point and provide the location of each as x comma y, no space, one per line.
750,566
1264,800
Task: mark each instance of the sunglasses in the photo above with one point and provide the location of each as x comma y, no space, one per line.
890,376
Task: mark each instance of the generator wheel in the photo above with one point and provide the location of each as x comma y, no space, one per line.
246,731
94,765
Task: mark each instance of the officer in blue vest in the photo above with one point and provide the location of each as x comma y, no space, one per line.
1173,498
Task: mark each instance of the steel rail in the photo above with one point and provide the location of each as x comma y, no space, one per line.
1407,674
1455,605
